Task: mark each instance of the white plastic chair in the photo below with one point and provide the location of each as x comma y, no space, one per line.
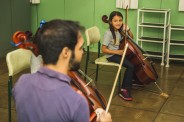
17,61
93,36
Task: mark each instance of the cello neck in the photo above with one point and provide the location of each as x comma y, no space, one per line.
130,39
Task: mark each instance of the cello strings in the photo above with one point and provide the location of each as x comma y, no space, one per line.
86,76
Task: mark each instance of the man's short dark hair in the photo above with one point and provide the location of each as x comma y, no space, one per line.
54,35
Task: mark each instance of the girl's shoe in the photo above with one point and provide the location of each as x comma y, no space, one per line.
124,94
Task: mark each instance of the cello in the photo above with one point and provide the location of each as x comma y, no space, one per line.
144,69
23,40
94,98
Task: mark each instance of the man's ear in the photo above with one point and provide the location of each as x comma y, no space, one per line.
66,52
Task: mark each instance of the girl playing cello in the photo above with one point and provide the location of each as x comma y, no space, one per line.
110,48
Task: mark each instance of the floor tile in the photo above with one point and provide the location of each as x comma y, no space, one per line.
168,118
142,100
179,89
174,105
127,114
4,115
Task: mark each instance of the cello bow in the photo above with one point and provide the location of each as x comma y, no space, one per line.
116,79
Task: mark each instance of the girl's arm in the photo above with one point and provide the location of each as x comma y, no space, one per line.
108,51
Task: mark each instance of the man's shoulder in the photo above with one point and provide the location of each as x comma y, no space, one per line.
22,84
25,77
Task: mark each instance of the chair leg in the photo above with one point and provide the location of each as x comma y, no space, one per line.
9,97
87,59
97,67
119,80
96,79
86,67
119,84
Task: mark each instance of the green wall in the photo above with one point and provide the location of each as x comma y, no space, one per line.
5,26
89,12
21,15
15,15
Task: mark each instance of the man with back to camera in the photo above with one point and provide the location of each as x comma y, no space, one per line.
46,96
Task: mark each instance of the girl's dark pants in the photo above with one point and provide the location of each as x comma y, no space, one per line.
128,76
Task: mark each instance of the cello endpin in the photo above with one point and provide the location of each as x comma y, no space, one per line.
162,93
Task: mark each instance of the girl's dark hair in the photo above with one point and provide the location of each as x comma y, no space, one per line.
54,35
111,16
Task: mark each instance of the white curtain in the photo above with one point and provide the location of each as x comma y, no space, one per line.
132,4
181,5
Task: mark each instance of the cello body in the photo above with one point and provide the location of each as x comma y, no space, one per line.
92,95
144,69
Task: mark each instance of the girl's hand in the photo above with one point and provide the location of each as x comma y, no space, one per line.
125,27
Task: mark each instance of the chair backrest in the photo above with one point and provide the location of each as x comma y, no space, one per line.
92,35
18,60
